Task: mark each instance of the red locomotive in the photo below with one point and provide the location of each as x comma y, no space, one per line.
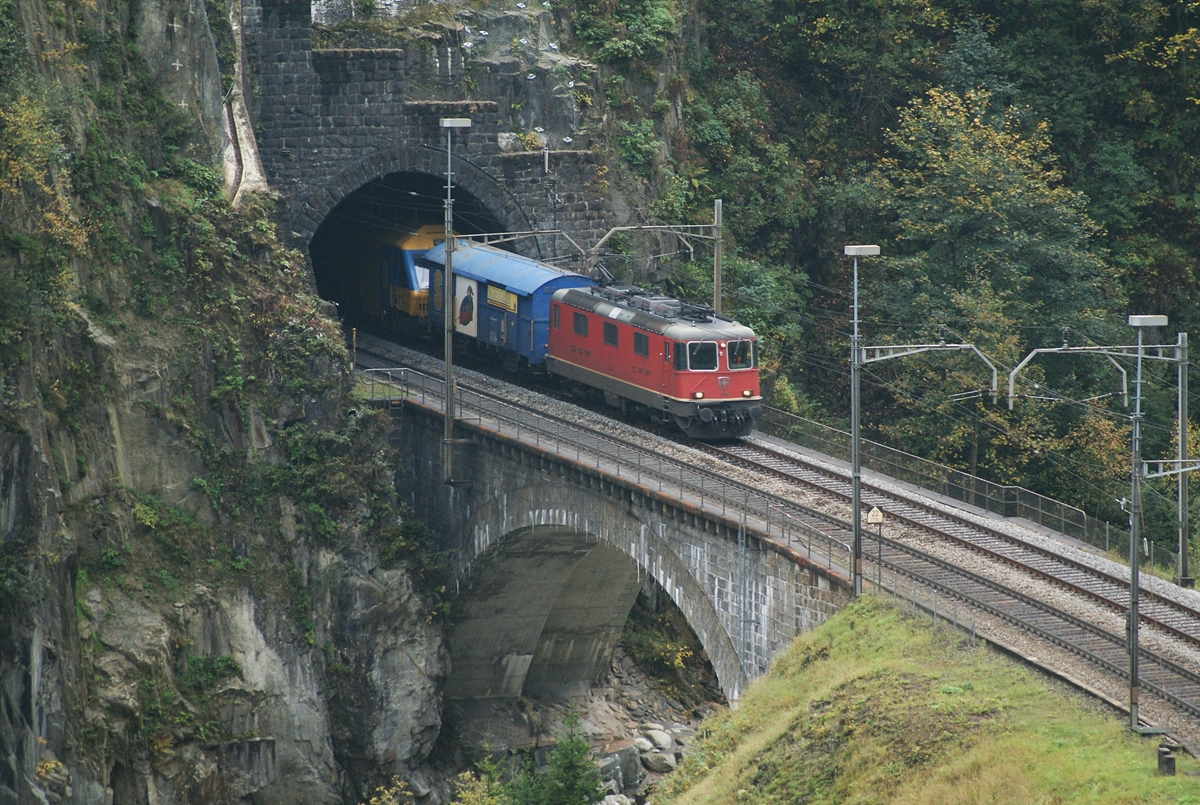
679,363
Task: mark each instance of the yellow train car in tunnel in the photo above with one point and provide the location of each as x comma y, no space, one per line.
401,283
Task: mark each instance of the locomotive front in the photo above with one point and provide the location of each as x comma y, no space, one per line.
679,363
713,386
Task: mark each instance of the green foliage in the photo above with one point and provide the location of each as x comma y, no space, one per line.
111,559
783,396
205,673
15,579
979,203
204,179
160,711
13,57
682,195
1060,189
394,793
974,64
873,706
481,787
623,30
570,776
657,636
747,160
637,143
226,44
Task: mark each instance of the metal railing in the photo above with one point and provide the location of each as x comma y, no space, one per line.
1003,499
778,519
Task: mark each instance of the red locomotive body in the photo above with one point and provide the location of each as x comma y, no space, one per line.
679,362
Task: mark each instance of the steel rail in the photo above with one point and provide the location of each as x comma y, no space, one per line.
777,516
1093,583
1181,686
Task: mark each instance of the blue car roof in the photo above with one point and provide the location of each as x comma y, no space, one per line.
521,275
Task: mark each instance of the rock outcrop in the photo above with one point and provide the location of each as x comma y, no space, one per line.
205,587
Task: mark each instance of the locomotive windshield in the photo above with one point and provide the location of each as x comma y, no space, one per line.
702,355
742,355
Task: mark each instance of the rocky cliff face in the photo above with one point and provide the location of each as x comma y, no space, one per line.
206,585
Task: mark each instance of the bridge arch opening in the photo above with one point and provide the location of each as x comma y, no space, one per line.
346,248
545,608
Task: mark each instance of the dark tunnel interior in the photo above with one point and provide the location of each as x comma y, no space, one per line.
345,248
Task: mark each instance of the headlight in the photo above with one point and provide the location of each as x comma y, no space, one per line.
697,395
746,393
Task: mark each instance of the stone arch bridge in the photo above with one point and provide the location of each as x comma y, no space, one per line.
552,535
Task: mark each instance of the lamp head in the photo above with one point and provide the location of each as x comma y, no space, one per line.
455,122
1147,321
862,251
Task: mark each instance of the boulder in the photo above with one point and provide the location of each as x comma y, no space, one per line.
658,762
660,738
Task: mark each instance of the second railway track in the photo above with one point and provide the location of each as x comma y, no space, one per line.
1094,584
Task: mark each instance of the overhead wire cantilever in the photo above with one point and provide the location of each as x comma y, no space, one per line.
1110,353
883,353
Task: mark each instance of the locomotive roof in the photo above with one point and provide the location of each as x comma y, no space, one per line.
661,315
521,275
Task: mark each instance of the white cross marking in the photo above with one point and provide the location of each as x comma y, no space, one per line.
176,65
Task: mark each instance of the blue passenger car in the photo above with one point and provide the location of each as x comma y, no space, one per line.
500,299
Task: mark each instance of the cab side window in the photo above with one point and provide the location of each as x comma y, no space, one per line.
641,344
554,316
680,357
579,324
610,333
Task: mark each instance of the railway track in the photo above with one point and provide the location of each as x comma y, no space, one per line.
1096,585
1178,686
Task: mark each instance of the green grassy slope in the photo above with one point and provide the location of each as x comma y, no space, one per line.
874,707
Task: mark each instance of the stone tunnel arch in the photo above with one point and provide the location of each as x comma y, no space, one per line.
359,214
311,209
545,594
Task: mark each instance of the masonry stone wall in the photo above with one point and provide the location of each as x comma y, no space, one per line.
328,121
696,556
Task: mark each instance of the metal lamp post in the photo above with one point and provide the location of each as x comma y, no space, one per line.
1139,324
449,124
1139,470
855,445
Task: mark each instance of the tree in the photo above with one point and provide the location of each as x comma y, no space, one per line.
570,777
481,787
975,64
989,243
978,203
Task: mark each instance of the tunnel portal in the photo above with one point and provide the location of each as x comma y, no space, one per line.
345,250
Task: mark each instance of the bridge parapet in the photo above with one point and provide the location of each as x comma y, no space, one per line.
747,576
